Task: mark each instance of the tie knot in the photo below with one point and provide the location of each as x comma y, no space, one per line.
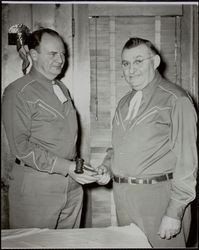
134,105
58,92
138,93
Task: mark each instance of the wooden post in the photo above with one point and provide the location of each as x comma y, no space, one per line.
81,88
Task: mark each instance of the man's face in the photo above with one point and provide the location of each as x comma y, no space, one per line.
139,66
50,57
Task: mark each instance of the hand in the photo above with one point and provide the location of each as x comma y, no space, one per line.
169,227
104,175
84,178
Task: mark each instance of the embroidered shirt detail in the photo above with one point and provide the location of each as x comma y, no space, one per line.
39,100
26,85
27,156
168,91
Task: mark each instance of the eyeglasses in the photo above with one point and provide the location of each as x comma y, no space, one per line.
137,62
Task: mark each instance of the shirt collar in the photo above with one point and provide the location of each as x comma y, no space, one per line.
149,89
40,77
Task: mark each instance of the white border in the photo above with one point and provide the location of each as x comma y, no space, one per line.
100,2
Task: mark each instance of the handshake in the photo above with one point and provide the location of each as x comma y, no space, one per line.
85,173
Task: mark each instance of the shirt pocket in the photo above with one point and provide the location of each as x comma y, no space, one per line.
44,112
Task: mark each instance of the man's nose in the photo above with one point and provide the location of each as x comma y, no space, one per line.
132,68
60,58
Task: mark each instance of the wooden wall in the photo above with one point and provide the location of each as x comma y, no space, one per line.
94,76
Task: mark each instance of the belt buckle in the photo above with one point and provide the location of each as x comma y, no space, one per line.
131,179
142,181
153,181
116,179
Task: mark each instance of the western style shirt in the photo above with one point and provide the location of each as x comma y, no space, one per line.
160,139
41,131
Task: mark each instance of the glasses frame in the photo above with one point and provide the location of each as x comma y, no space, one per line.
138,62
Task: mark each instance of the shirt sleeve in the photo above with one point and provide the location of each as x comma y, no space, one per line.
17,122
183,144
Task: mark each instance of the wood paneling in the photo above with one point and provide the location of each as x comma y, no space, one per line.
100,112
58,17
195,55
134,9
81,91
189,44
169,50
81,76
175,36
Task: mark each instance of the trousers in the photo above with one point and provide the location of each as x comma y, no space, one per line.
145,205
42,200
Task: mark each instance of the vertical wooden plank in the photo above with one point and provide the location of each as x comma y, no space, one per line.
112,67
113,99
81,75
195,54
169,48
101,127
158,32
81,86
5,47
187,48
178,49
63,24
193,87
59,18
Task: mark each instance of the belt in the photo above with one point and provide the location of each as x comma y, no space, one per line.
20,162
150,180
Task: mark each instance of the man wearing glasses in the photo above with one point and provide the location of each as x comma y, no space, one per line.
153,159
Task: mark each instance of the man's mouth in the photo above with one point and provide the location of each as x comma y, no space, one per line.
57,66
133,76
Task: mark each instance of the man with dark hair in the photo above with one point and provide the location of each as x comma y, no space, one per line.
153,159
41,127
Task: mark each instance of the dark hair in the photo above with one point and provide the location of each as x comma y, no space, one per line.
35,37
136,41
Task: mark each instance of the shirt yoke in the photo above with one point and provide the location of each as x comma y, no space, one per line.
173,90
22,85
124,98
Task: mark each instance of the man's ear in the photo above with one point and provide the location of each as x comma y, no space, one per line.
33,54
156,61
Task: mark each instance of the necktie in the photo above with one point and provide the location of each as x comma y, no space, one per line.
134,105
58,92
